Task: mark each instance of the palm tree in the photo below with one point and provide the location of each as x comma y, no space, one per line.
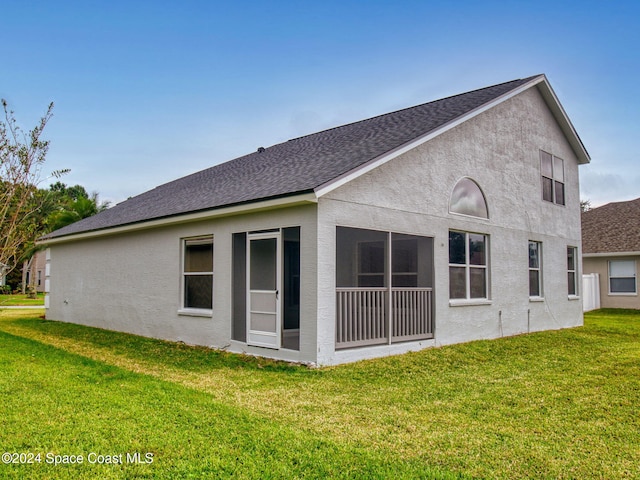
63,206
77,209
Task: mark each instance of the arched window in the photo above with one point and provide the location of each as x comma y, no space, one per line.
468,199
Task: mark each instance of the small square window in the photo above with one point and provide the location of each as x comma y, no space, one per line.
622,277
198,273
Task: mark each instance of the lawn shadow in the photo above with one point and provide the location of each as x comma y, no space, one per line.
197,359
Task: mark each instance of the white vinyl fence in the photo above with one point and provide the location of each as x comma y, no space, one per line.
590,291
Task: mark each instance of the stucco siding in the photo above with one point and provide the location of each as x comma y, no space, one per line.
499,149
132,282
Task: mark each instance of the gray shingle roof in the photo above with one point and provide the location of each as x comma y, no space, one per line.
612,228
297,166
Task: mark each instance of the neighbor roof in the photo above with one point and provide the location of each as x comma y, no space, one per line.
309,163
612,228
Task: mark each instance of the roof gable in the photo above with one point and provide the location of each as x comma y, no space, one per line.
612,228
315,163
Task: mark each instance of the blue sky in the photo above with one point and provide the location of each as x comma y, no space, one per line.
148,91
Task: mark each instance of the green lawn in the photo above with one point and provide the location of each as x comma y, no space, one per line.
21,300
561,404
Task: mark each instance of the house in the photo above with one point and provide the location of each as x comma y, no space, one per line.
611,249
33,272
450,221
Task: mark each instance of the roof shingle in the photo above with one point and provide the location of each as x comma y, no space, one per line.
297,166
612,228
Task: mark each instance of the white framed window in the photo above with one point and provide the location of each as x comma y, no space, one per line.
572,271
467,199
468,266
197,273
552,170
622,277
535,269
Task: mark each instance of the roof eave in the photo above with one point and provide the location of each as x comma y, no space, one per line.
610,254
563,119
301,198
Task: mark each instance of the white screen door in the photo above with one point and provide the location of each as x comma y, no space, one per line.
263,296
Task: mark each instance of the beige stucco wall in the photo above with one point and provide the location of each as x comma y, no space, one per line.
131,282
37,271
499,149
600,265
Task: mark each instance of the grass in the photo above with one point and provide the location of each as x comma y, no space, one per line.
559,404
21,300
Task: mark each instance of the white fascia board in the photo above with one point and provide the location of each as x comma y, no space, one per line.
382,159
611,254
563,120
302,199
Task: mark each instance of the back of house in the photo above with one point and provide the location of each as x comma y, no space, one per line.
451,221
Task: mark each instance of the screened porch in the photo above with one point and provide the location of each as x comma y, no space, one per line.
384,288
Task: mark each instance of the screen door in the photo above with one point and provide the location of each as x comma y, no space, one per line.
263,298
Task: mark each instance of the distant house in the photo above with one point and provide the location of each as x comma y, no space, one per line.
451,221
611,248
33,274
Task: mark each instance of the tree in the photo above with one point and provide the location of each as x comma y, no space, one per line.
73,204
60,206
22,156
64,193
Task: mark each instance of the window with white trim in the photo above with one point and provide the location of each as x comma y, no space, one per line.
197,273
468,266
622,277
535,269
572,272
467,199
552,169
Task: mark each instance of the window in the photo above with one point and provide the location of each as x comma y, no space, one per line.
198,273
535,269
468,199
572,255
622,276
552,169
467,265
